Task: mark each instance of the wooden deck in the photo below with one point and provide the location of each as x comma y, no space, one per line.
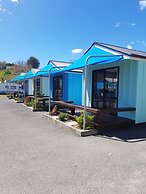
104,118
114,122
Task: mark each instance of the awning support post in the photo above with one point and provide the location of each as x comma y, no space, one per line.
49,93
35,91
24,87
85,91
10,90
13,90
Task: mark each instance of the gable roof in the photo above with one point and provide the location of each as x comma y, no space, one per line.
18,77
122,50
30,74
52,66
59,63
34,70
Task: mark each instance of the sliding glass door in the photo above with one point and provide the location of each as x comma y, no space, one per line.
57,87
105,88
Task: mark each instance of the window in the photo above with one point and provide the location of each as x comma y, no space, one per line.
13,87
7,87
37,85
105,88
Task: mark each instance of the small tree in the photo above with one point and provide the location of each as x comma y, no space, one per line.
21,63
33,62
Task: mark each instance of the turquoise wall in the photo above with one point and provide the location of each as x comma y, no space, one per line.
128,87
75,87
72,87
127,84
141,93
30,87
45,86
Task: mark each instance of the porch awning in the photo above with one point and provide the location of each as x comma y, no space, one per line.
18,77
45,70
29,75
103,57
49,68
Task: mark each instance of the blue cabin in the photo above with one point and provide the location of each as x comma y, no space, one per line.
114,78
28,82
63,86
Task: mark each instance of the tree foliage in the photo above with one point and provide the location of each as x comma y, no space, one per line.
10,70
33,62
2,65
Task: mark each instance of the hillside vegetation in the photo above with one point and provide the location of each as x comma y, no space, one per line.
7,74
10,70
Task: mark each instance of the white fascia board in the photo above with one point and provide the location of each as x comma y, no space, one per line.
137,59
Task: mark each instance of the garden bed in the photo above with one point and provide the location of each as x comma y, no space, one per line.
71,125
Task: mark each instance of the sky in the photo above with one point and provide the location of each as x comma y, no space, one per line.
64,29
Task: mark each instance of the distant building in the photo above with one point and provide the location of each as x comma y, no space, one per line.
8,87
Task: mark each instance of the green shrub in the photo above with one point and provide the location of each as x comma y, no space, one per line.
7,71
89,121
19,100
36,104
38,94
62,116
16,99
29,103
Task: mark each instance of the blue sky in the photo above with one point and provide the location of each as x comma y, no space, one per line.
64,29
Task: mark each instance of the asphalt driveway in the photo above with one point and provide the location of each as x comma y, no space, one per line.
37,157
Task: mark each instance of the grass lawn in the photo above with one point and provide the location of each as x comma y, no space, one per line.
2,96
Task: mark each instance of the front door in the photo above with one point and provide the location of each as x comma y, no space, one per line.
57,87
105,88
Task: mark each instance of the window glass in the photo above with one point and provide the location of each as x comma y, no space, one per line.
13,87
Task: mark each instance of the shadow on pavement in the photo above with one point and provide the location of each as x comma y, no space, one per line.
130,135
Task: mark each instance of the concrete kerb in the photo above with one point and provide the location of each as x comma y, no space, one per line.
80,132
16,101
29,107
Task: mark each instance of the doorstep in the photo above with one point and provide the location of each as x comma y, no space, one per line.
69,126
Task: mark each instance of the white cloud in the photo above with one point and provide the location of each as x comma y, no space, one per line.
117,25
143,43
3,10
133,24
129,46
136,43
142,4
78,50
15,1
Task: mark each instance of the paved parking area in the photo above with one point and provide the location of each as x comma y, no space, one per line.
37,157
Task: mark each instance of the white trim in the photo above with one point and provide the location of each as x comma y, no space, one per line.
137,59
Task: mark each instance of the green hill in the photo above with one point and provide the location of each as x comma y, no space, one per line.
9,73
